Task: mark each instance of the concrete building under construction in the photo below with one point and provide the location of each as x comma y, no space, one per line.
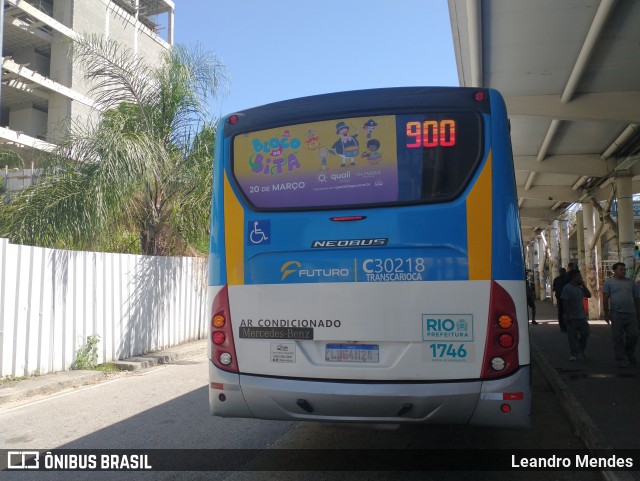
42,88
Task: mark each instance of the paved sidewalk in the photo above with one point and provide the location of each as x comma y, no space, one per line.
601,400
58,381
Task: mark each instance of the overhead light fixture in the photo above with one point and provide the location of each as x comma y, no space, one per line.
580,182
624,136
627,163
585,196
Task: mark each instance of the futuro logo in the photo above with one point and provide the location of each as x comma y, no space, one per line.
286,271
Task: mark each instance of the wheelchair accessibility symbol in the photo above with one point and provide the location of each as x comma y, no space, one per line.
259,232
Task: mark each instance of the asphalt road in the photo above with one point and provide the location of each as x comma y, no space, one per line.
167,407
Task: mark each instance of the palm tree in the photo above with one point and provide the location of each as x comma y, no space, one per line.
141,167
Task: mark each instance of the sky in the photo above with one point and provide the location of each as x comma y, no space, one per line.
280,49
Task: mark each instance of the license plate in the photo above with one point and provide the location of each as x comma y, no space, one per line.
352,353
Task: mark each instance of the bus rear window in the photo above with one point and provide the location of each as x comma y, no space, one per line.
359,161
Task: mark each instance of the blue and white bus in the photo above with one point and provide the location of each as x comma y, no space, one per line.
366,261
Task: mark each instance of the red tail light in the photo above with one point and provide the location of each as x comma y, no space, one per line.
501,350
506,340
218,338
223,350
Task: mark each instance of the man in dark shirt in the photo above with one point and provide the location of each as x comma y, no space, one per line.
531,301
558,284
574,315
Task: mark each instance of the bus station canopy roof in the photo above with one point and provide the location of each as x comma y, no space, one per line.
569,71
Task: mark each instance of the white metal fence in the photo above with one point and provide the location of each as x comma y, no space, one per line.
52,300
17,179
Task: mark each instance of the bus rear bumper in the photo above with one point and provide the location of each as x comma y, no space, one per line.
512,394
468,402
225,395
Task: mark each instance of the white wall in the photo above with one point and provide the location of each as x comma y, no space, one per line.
51,300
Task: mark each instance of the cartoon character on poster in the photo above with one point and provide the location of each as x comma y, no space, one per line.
324,151
312,140
347,146
370,127
372,153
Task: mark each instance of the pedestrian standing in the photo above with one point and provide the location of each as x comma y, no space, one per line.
574,315
558,284
531,301
620,296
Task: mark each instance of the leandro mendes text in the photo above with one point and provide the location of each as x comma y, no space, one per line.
579,461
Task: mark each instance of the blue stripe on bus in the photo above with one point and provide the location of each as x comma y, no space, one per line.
507,246
217,259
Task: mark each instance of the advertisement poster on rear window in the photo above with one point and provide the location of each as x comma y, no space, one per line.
341,162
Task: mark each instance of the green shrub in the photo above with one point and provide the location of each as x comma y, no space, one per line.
87,354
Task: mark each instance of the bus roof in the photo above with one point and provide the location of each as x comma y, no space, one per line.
356,102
